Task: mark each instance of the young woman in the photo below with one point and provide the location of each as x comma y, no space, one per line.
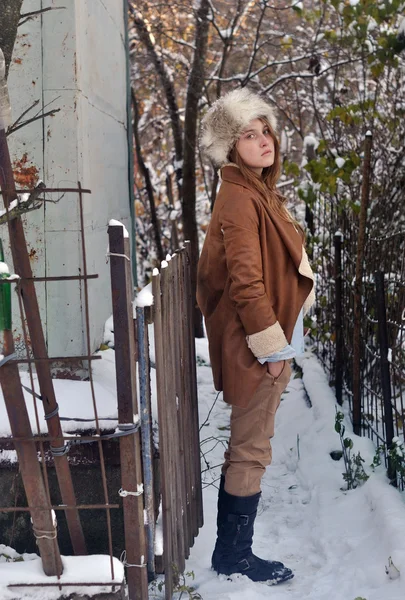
254,286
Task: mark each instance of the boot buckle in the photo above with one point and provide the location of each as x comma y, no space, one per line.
240,520
243,562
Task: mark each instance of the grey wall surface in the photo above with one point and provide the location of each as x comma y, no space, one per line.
73,59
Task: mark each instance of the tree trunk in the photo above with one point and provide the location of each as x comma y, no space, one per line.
195,86
169,90
9,18
146,176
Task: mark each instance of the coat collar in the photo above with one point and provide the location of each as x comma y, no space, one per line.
291,237
231,173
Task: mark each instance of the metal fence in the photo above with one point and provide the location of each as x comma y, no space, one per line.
360,318
40,454
179,467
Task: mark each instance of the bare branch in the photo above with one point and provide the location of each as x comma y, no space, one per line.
50,113
245,78
30,15
283,7
35,103
33,202
307,75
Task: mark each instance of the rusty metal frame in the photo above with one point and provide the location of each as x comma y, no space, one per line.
59,507
27,291
40,439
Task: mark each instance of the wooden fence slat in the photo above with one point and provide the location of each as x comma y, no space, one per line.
188,368
193,394
188,428
163,434
181,416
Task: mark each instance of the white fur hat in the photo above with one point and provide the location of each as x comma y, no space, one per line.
225,121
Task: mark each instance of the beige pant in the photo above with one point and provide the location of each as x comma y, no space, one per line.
249,451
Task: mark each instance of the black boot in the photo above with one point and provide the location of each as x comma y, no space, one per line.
233,549
220,519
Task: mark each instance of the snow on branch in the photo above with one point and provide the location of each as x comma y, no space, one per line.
308,75
26,203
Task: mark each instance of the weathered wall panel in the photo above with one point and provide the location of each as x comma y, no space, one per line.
74,59
26,144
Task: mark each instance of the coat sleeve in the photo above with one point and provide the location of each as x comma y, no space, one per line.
239,218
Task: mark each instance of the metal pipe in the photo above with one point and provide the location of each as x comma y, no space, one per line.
54,359
13,190
338,319
385,369
358,287
93,395
146,434
61,278
56,507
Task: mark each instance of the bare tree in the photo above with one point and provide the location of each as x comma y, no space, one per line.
326,68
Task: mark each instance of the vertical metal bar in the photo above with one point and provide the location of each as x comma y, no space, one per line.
361,242
163,435
93,394
135,542
146,433
22,266
28,461
338,319
385,368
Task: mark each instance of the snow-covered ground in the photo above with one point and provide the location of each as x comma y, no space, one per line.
337,542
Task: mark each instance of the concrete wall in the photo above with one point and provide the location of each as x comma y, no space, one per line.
73,59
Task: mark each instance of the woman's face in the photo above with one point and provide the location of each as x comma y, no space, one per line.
256,146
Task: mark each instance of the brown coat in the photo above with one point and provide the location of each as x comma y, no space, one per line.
253,280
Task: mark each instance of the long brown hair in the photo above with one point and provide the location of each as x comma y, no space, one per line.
265,183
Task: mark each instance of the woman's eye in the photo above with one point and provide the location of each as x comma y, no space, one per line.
266,131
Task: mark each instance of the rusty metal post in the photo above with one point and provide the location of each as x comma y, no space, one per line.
43,525
338,319
121,288
358,288
385,369
23,268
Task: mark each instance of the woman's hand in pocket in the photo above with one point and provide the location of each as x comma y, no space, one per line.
275,368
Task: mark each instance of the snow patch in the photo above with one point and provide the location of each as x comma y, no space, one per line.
113,222
145,296
4,270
